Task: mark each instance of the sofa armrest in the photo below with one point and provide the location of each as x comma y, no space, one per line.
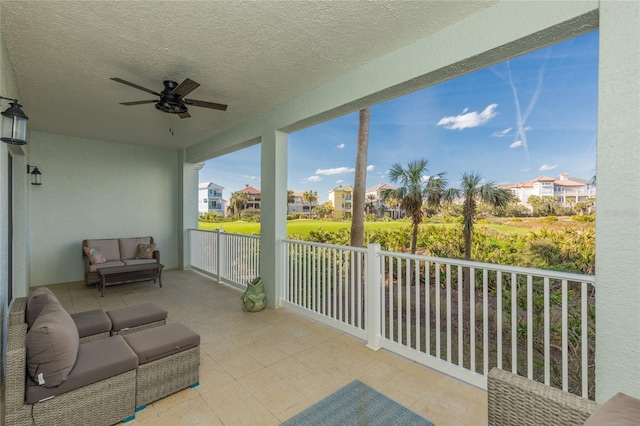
17,314
156,255
516,400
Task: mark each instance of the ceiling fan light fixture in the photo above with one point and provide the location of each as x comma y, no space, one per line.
171,108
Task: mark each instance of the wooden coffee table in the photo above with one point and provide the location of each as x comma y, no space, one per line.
129,274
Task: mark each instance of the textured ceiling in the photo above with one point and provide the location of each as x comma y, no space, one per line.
253,56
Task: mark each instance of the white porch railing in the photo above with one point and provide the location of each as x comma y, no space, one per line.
459,317
536,323
230,258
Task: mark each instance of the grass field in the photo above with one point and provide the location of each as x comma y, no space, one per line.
304,226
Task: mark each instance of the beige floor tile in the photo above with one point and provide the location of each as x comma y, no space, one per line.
233,405
236,362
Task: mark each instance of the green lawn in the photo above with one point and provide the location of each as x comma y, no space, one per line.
304,226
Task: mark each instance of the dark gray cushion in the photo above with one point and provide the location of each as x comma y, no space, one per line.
619,410
133,316
38,299
159,342
93,322
52,346
96,361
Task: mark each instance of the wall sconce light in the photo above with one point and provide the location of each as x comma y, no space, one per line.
14,123
36,176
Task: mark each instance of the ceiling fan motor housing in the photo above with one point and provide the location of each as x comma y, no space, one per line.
171,103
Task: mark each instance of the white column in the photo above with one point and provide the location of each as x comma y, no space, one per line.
273,213
618,202
189,213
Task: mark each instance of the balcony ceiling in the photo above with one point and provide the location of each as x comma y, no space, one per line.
253,56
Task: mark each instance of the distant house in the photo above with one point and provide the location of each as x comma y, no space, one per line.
566,190
299,205
341,198
381,208
210,199
253,197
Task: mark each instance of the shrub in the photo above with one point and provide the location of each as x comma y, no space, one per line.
584,218
550,219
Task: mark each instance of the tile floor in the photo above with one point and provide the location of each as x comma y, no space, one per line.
263,368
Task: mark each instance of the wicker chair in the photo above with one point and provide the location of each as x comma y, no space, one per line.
102,403
516,400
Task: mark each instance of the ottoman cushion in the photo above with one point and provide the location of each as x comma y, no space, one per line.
159,342
91,322
136,315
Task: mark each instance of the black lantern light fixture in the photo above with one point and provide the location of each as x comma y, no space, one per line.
14,123
36,176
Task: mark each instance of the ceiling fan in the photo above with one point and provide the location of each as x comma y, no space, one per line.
172,98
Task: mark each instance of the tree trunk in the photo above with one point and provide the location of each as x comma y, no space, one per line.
359,186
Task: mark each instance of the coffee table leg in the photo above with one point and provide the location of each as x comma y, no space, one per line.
160,277
103,284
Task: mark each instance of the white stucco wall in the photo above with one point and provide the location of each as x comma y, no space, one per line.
618,206
97,189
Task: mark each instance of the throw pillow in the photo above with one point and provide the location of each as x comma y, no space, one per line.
145,251
37,301
95,255
52,347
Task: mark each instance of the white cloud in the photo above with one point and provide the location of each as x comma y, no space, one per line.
335,171
339,181
546,167
468,119
341,146
311,179
502,133
251,177
516,144
526,169
370,167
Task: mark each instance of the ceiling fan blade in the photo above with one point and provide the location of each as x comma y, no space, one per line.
203,104
139,102
184,115
184,88
144,89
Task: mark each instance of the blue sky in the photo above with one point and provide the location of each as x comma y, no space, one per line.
533,115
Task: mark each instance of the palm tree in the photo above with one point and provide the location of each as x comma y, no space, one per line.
310,197
472,194
238,201
359,185
290,199
414,189
371,203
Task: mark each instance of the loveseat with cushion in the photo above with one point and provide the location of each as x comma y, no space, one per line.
517,401
110,252
51,379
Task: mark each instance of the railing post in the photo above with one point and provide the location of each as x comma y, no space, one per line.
373,313
218,256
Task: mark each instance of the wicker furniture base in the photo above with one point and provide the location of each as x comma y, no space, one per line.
138,328
157,379
516,400
103,403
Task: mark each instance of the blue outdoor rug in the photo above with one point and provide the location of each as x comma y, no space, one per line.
357,404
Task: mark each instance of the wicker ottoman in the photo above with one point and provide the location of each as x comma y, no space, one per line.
136,318
169,361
